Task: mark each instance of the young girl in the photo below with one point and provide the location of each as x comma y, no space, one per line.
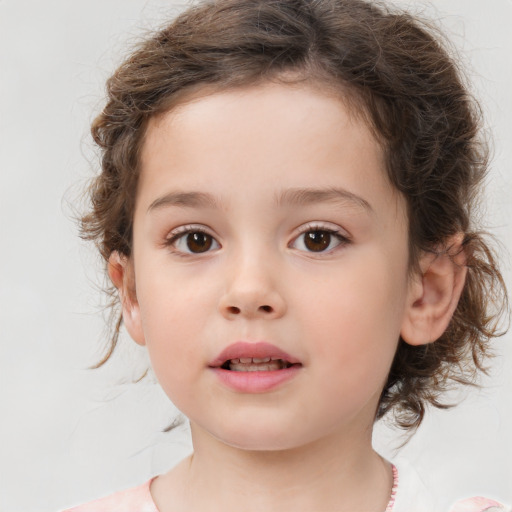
286,208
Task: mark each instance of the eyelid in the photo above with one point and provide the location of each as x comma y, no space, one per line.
187,228
322,226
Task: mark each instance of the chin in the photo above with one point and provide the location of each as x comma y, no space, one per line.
262,437
258,444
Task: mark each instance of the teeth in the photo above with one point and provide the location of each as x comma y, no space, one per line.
260,359
256,364
257,367
256,360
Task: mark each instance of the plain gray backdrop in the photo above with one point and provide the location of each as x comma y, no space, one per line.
69,434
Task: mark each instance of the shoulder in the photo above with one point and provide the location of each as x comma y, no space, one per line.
413,494
479,504
137,499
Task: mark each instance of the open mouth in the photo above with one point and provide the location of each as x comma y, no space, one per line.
257,364
259,367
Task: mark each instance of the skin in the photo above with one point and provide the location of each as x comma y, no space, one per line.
305,445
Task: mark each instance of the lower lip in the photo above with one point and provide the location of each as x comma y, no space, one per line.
256,382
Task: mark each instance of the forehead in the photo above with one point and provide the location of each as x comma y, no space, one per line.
288,92
273,134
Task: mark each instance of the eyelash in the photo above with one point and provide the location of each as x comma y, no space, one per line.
183,231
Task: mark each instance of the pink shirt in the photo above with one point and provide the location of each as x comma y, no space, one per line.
408,495
137,499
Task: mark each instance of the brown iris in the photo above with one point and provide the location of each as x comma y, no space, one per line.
317,241
199,242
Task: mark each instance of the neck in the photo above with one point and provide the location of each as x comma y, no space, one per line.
330,474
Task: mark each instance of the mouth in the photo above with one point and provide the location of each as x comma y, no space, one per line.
251,368
244,356
257,364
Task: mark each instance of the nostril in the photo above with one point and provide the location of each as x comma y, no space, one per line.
235,310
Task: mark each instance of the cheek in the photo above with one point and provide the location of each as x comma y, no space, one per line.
357,319
173,310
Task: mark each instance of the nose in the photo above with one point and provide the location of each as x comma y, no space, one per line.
252,292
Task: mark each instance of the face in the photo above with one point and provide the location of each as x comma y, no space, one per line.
265,227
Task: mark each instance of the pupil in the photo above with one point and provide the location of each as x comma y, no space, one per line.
199,242
317,240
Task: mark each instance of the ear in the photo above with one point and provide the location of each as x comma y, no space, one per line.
121,273
434,293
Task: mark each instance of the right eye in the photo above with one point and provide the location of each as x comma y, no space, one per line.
192,241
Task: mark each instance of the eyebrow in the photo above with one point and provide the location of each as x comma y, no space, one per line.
184,199
306,196
293,197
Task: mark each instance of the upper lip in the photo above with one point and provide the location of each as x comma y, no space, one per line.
247,349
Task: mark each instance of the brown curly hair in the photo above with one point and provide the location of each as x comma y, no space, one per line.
394,70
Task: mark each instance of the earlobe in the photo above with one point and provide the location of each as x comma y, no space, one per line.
120,271
434,293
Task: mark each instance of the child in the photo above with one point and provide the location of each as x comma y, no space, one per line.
286,208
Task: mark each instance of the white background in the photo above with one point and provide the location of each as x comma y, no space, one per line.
68,434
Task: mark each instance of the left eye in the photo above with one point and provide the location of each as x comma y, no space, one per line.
318,240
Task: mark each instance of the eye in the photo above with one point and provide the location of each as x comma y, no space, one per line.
319,239
192,240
